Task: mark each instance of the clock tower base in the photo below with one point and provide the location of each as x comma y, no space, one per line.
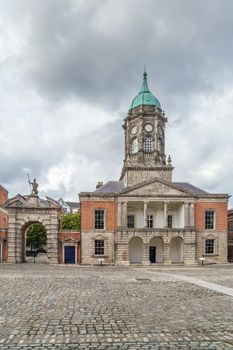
134,175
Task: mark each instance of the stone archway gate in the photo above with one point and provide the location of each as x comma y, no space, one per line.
24,210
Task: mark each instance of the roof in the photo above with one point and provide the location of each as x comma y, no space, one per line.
145,97
187,186
111,187
73,204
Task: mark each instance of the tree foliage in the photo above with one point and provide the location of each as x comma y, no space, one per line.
36,236
71,221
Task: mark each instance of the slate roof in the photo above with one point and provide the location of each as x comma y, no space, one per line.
111,187
73,204
187,186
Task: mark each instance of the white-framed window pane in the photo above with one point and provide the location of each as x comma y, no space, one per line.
209,219
209,246
99,219
149,221
99,247
134,146
148,144
169,221
130,221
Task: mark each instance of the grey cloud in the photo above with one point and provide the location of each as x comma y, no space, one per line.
94,52
185,45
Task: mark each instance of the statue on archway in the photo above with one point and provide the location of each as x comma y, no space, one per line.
34,187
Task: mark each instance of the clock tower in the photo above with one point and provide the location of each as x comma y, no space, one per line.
144,129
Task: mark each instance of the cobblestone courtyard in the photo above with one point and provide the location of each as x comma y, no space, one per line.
59,307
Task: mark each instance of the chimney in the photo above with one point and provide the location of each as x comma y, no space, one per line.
99,184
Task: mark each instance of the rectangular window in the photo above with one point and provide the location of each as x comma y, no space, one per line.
99,219
99,247
209,246
169,221
209,219
149,221
130,221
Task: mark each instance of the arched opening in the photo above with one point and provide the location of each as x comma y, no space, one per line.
156,250
134,146
34,243
135,250
177,250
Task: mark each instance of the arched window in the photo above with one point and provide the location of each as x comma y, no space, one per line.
148,144
134,146
159,146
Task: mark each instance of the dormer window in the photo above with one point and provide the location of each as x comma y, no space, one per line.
148,144
134,146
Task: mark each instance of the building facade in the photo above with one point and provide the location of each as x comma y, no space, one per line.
62,246
145,217
69,207
3,224
230,235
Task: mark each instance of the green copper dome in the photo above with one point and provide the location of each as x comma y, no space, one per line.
145,97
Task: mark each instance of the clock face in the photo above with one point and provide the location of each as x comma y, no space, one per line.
148,128
134,130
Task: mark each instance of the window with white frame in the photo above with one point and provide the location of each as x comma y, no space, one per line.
149,221
134,146
209,219
209,246
99,219
148,144
169,221
99,247
130,221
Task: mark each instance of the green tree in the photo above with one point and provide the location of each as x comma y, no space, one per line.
71,221
36,236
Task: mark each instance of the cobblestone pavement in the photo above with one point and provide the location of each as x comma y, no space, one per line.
107,308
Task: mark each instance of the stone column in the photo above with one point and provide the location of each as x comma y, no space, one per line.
119,214
145,254
52,239
124,215
186,214
11,239
165,205
145,213
166,251
192,214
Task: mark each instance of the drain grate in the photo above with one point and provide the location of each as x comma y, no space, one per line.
143,279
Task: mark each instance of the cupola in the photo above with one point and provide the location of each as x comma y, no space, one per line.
145,97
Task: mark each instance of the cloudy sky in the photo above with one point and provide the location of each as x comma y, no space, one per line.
70,69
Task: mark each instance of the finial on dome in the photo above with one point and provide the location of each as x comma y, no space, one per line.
144,73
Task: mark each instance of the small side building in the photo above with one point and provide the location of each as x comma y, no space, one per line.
230,235
3,224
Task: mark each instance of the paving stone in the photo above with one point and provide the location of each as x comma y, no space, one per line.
63,308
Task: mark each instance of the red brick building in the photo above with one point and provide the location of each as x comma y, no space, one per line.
3,224
69,247
230,235
146,217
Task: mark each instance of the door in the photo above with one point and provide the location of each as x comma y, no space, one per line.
69,254
152,255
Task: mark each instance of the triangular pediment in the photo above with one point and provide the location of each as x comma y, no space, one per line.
155,187
17,201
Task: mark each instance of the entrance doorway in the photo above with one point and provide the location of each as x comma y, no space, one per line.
69,253
152,255
34,249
